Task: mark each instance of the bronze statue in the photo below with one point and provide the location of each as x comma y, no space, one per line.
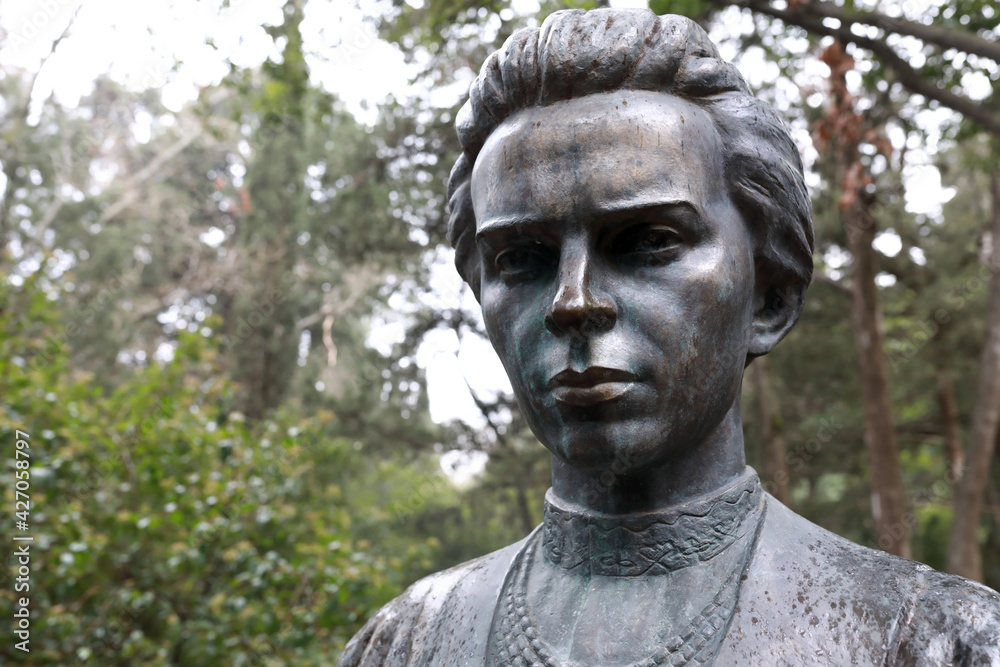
636,227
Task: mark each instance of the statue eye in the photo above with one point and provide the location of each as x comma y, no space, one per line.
521,260
647,244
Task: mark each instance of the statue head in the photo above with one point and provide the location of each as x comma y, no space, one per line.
636,226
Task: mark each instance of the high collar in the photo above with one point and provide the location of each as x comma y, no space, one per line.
651,542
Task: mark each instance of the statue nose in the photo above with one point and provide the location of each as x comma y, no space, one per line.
577,307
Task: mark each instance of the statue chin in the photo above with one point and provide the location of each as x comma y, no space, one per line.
654,444
620,451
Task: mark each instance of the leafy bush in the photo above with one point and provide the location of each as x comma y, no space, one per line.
168,530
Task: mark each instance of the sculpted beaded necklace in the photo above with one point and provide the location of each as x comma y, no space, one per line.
649,544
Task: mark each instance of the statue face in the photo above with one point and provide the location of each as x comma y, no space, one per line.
618,276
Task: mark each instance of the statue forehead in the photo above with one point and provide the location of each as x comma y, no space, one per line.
602,149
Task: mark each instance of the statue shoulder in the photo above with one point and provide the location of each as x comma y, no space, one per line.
386,637
438,619
923,617
951,621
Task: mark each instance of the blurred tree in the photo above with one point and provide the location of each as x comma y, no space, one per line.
964,556
173,532
955,40
773,469
841,131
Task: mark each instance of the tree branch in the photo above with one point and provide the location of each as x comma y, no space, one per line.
153,167
942,37
905,74
823,279
48,218
55,44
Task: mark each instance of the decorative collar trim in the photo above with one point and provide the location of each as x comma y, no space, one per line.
629,545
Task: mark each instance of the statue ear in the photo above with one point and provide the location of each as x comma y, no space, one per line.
776,310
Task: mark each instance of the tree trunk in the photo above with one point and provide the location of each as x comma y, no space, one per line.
842,129
773,469
948,404
888,507
964,557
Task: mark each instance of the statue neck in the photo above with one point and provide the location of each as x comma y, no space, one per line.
645,543
697,471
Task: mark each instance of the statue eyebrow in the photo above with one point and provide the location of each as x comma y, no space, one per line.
507,225
619,212
681,210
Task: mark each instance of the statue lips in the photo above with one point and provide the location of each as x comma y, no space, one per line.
590,387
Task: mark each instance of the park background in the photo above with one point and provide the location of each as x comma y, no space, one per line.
259,399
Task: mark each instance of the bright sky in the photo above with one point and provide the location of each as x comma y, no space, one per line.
138,44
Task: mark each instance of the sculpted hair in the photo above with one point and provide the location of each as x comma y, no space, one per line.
576,53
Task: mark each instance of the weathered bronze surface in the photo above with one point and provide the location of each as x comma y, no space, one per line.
636,227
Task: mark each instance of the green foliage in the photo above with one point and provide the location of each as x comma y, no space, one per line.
169,531
694,9
435,18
